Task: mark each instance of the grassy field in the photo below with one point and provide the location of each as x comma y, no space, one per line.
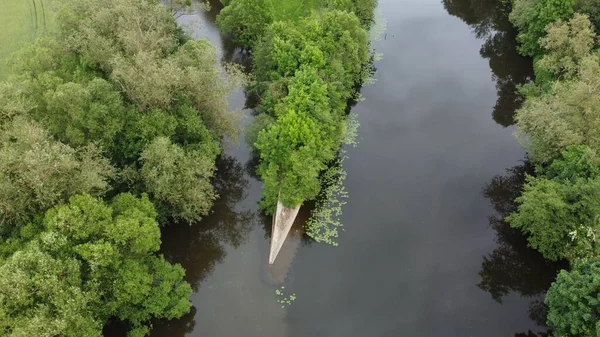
292,10
22,21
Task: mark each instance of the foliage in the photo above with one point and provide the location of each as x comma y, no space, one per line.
247,20
560,212
283,299
307,61
308,58
60,307
531,18
578,161
290,150
567,44
309,71
334,43
110,253
178,179
591,8
90,262
363,9
37,172
119,74
569,115
12,102
573,301
324,220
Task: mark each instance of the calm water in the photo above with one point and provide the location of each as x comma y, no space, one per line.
425,251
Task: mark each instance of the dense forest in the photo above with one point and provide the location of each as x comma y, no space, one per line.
558,208
110,127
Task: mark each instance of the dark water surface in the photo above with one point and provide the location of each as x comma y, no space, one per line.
425,251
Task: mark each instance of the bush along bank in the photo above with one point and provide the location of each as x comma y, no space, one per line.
559,209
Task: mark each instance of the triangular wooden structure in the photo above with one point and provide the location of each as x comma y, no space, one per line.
282,222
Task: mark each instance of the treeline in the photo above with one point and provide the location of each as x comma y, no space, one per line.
558,125
109,126
308,58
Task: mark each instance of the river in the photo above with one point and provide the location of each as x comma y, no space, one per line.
424,251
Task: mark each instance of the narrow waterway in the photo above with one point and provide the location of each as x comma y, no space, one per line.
424,251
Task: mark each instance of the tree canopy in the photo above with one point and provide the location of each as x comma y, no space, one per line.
117,98
560,211
37,172
88,262
569,115
306,70
531,18
120,75
572,300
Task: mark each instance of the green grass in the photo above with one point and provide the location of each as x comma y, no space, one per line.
22,21
292,10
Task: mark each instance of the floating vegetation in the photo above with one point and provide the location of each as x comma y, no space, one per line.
377,31
283,299
324,223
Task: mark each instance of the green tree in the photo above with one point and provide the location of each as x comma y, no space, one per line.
179,179
89,262
119,75
531,18
299,144
591,8
37,172
246,20
12,102
567,44
92,112
569,115
572,300
560,212
334,43
41,295
290,150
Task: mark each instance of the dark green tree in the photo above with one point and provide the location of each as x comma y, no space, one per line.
560,211
573,301
531,18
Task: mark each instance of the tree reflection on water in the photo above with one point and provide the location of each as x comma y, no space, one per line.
513,266
199,247
489,21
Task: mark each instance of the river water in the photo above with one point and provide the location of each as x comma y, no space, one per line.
424,251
